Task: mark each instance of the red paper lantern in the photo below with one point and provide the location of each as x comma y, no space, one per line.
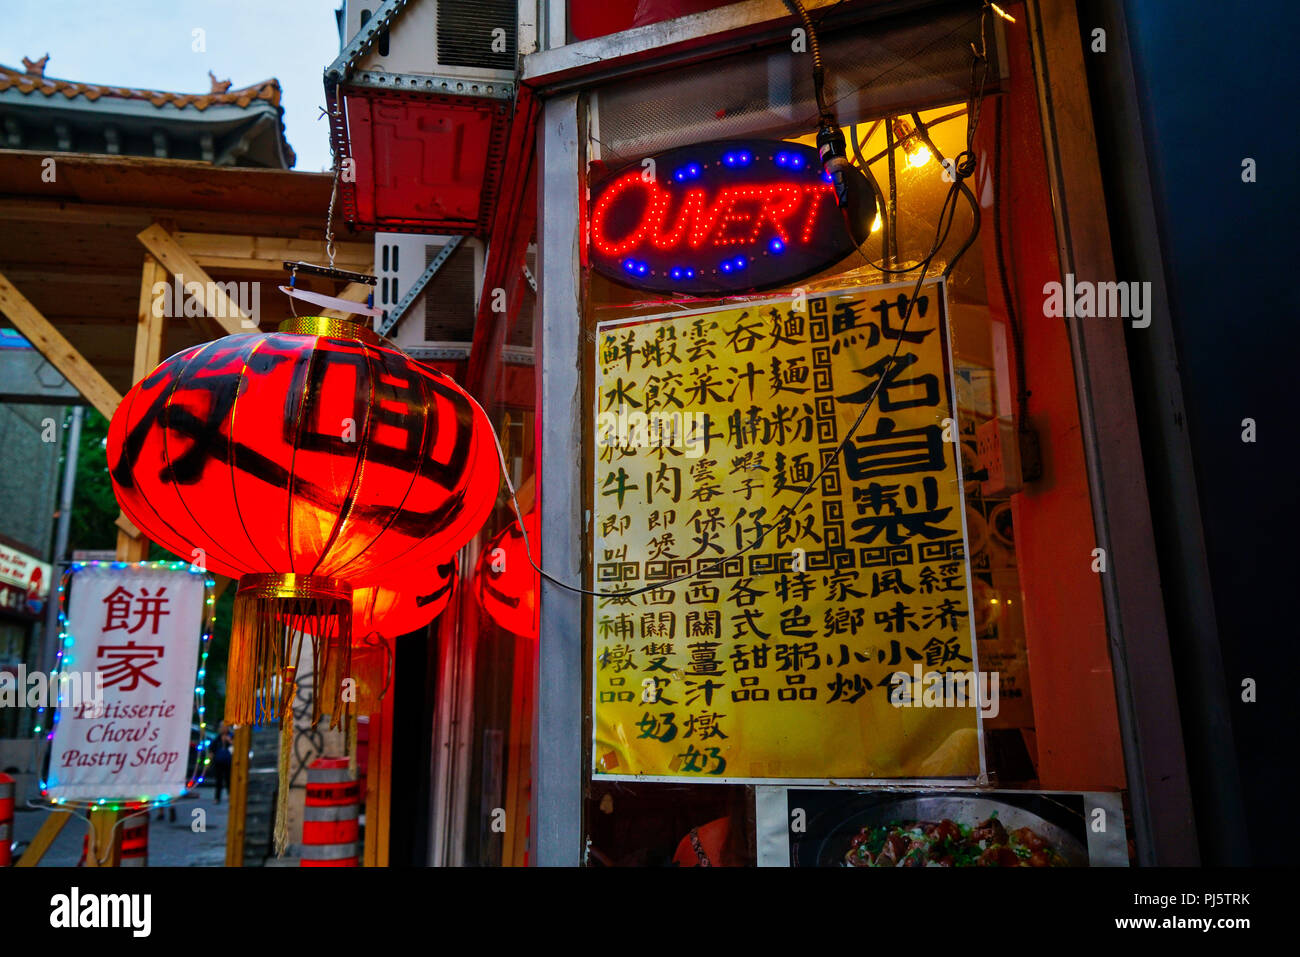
401,607
507,583
382,613
305,462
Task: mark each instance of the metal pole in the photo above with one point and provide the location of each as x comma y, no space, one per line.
45,661
891,218
558,740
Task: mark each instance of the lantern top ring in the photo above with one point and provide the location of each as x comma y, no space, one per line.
273,585
329,328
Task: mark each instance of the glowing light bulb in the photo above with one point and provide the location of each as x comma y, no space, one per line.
918,154
877,224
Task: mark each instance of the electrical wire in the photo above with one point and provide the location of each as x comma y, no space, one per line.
1013,319
904,60
91,850
865,167
819,69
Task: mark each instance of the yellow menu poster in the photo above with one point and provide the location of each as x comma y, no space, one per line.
764,616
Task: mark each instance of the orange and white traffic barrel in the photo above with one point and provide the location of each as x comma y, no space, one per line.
6,820
330,831
135,841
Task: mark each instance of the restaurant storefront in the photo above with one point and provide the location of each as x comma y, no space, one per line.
773,478
1048,552
771,454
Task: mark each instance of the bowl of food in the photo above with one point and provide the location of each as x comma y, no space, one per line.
929,830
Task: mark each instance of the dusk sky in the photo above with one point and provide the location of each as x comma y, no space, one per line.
150,44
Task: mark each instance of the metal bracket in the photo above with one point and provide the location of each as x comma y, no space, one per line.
338,71
418,287
532,281
433,83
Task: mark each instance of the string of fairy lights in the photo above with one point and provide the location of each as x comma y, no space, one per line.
64,660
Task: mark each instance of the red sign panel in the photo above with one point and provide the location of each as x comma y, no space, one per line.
24,583
423,163
722,217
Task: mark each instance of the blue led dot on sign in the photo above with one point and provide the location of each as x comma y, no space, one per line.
689,171
776,245
629,265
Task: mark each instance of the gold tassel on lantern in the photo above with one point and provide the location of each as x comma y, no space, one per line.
274,617
282,792
369,665
351,744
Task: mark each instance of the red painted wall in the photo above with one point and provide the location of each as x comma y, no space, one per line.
600,18
1069,661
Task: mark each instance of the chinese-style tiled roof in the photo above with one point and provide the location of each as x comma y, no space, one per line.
222,126
268,90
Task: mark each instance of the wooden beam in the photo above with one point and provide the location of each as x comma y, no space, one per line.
178,262
237,802
514,847
105,848
379,785
131,549
240,251
47,340
102,276
148,327
44,838
71,212
132,546
125,526
352,292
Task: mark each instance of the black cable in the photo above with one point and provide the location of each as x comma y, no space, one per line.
887,223
1013,320
891,164
814,47
908,58
967,161
875,188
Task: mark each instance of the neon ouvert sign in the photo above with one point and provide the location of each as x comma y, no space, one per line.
724,217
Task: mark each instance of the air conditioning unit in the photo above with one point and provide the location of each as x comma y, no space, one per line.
471,39
420,101
439,322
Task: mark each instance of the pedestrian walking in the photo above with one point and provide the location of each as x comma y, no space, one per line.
221,748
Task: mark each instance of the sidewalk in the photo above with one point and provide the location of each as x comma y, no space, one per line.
171,843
